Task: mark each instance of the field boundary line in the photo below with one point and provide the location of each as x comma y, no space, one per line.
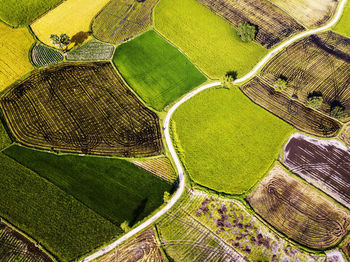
171,148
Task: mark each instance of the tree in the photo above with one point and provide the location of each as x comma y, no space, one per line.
61,41
280,84
166,196
125,226
246,31
228,79
337,111
315,100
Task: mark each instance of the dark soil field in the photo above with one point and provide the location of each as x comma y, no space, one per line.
319,63
83,108
143,247
323,163
290,110
299,211
15,247
121,20
274,25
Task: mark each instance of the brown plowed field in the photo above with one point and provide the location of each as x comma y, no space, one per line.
298,210
319,63
121,20
143,248
323,163
15,247
290,110
159,166
274,25
83,108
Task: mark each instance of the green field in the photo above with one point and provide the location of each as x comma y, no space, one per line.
207,39
227,142
63,225
115,189
156,70
343,26
19,13
4,138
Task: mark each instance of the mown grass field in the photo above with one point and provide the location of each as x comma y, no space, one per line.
157,71
115,189
21,12
14,49
343,26
227,142
72,17
207,39
63,225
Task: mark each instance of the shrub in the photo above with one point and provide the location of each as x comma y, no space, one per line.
337,112
280,84
315,100
228,79
246,31
125,226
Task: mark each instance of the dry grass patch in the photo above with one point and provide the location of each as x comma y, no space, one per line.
83,108
298,210
72,17
14,49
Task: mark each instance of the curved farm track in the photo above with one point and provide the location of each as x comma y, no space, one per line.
170,145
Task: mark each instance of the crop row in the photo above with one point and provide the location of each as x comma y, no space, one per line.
44,56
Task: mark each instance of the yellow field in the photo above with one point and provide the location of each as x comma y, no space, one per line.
72,17
14,50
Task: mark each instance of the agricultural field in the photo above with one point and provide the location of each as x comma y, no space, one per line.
343,26
290,110
346,248
44,56
323,163
143,247
5,141
319,64
156,70
221,137
274,25
345,134
208,227
159,166
83,108
19,13
122,20
63,225
92,50
122,191
15,247
206,39
310,13
72,17
15,43
298,210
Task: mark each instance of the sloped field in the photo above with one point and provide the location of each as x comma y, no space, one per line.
14,47
323,163
121,20
290,110
143,247
311,13
84,108
299,211
274,25
44,56
318,63
92,50
156,70
15,247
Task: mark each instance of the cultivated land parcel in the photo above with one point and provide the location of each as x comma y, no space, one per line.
227,142
207,39
156,70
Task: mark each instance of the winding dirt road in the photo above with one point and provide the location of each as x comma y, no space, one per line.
172,151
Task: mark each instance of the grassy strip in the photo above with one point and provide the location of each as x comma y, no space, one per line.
156,70
59,222
114,188
207,39
228,142
19,13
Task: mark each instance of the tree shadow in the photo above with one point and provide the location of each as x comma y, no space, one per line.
80,37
